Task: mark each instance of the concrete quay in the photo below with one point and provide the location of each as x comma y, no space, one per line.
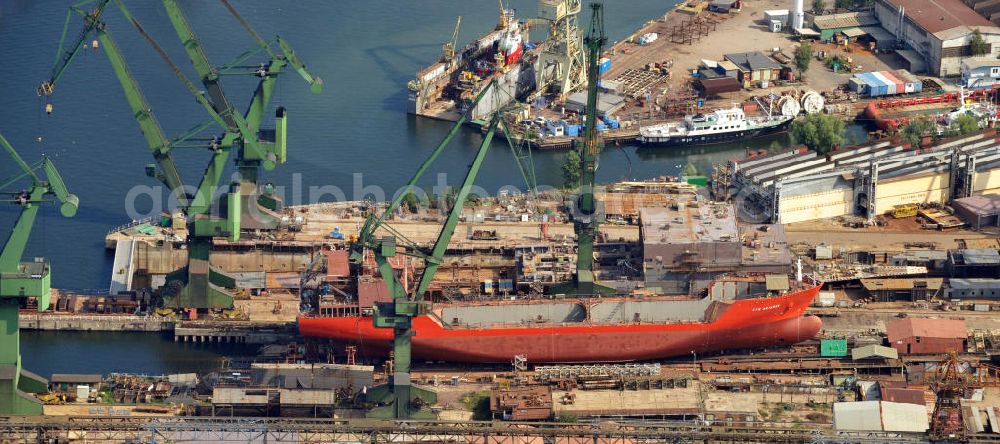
234,334
48,321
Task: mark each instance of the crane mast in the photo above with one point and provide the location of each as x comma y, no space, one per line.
588,212
22,280
399,398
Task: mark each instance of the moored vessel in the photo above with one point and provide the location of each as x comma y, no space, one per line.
737,312
718,126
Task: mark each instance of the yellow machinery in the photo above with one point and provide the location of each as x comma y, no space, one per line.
904,211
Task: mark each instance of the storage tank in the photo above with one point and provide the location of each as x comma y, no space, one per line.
812,102
798,13
789,106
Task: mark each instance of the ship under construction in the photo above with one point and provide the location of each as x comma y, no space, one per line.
505,64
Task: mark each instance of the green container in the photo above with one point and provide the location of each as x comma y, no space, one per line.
700,181
833,347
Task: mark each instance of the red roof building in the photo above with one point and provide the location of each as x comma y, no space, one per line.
927,336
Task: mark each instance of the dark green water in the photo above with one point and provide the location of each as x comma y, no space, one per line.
353,135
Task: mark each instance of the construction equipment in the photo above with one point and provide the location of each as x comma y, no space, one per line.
904,211
244,206
448,49
22,280
399,399
586,210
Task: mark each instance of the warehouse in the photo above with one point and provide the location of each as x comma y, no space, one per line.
832,24
939,31
962,288
974,263
979,211
865,180
755,68
927,336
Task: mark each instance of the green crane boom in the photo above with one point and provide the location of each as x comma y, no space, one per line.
192,286
21,280
399,399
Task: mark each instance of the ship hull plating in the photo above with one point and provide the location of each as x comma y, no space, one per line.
747,323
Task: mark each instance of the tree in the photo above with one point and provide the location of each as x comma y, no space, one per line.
690,170
571,169
977,45
803,55
962,125
774,147
819,6
843,4
915,131
820,132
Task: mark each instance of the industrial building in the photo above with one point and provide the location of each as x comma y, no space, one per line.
979,211
866,180
880,416
974,263
960,288
927,336
905,289
832,24
980,72
937,31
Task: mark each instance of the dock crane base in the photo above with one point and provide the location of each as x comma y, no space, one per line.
16,383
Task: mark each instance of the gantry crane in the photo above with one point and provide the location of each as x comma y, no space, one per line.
399,399
244,206
22,280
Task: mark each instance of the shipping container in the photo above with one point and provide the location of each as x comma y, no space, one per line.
900,84
857,85
890,86
833,347
604,65
876,86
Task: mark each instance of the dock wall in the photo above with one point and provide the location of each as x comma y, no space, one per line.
43,321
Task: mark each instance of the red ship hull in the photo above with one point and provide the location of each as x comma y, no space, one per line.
746,323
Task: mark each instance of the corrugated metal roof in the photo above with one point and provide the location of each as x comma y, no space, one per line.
903,395
752,61
845,20
939,15
903,417
880,416
984,205
984,256
926,328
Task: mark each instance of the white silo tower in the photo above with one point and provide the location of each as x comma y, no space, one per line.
798,14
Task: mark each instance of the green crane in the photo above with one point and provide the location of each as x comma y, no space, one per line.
22,280
587,211
244,206
399,399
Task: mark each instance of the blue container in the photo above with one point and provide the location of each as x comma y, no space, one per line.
613,123
572,130
604,65
601,126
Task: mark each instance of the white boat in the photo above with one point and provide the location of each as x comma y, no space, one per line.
716,127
